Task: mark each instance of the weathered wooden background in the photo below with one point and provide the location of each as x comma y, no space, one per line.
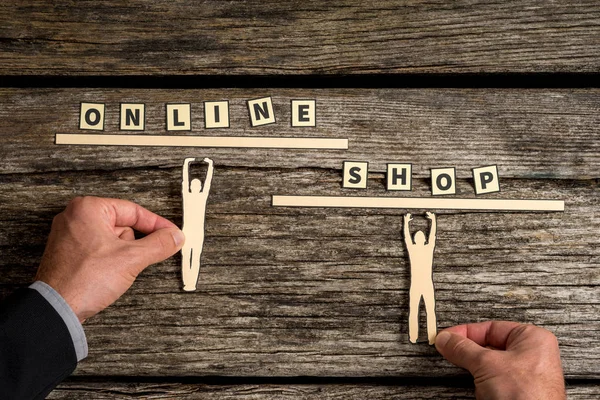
318,293
108,37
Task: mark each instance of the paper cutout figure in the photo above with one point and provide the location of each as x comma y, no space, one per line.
421,278
194,214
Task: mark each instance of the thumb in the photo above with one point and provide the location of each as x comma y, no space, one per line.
459,350
160,245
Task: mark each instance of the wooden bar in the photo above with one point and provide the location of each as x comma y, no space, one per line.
201,141
418,202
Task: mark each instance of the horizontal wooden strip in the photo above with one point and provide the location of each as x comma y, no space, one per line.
318,292
104,390
264,37
418,202
201,141
536,133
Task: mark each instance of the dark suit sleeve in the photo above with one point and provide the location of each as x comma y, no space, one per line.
36,349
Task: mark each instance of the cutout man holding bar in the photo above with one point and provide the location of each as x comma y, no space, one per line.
421,278
194,214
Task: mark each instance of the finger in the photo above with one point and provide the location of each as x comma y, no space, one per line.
125,233
489,333
126,213
159,245
460,350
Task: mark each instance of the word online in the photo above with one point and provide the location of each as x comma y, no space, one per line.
399,177
179,116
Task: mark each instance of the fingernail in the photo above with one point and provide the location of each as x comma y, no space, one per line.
178,237
442,338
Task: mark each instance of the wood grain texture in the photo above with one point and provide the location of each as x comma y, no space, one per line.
163,37
111,390
319,292
323,292
527,133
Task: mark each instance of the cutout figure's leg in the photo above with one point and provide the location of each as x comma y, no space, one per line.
429,299
191,279
189,284
194,271
413,315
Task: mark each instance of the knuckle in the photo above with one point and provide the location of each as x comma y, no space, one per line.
58,219
526,330
84,201
76,204
540,334
80,205
76,201
530,329
547,337
73,204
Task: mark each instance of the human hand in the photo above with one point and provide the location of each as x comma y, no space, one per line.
92,257
189,160
508,360
430,215
208,161
408,217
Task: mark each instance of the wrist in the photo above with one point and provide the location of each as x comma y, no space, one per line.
67,314
67,297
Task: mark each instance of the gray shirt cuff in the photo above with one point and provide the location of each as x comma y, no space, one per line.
67,314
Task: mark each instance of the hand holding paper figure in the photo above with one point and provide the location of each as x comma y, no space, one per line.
92,256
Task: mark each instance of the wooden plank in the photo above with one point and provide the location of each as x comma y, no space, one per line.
527,133
204,141
418,202
159,37
318,292
110,390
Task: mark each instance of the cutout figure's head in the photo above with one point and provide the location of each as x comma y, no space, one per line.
420,238
196,186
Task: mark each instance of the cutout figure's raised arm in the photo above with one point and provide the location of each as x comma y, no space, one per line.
433,230
185,183
407,238
209,175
